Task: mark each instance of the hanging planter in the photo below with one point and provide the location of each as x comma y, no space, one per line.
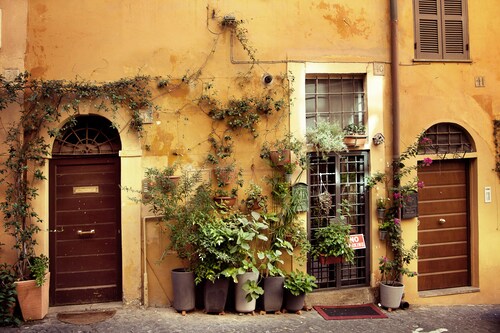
225,201
353,141
382,235
380,213
280,157
330,260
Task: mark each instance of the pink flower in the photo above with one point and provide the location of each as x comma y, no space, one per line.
397,221
420,184
427,161
397,195
425,141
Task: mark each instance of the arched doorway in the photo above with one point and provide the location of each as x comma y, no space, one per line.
444,210
84,215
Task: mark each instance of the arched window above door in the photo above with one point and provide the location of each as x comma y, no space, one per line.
448,138
90,135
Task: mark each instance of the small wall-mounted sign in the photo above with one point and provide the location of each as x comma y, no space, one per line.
300,190
357,241
410,206
85,189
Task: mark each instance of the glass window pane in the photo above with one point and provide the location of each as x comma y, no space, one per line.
310,105
310,86
347,85
322,103
322,86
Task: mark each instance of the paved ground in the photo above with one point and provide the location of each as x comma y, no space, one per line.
416,319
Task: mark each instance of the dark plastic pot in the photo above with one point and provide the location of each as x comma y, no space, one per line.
184,289
215,295
273,293
294,303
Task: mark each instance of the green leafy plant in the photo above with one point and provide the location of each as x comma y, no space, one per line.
255,199
39,267
326,137
355,129
333,241
392,271
281,148
299,282
7,296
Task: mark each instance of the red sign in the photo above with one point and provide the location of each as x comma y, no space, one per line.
357,241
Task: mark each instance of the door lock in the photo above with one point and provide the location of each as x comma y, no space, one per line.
442,221
86,233
61,229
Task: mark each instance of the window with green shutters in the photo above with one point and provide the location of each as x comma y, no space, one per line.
441,31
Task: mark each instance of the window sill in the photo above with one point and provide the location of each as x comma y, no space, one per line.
448,291
466,61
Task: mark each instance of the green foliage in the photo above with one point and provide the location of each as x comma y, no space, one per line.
393,270
281,147
326,137
7,296
355,129
255,199
299,282
333,240
39,267
41,104
253,290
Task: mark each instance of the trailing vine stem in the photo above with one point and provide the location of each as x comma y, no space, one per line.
41,105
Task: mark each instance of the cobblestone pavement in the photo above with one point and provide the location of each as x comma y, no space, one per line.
417,319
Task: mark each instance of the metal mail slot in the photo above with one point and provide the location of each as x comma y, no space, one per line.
85,189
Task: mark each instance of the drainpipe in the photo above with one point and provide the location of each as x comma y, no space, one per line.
395,84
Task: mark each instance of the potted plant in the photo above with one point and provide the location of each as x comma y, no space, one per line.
326,137
381,207
19,172
272,276
297,284
244,271
255,199
278,153
180,207
392,272
331,243
355,135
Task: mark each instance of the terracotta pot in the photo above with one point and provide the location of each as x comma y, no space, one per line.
278,159
355,140
226,201
33,300
329,260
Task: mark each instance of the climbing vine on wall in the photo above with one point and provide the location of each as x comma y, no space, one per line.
496,137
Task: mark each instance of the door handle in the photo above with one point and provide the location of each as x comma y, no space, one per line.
86,233
442,221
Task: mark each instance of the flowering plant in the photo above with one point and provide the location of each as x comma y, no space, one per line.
393,270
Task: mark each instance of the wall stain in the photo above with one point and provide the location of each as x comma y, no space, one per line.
345,21
485,102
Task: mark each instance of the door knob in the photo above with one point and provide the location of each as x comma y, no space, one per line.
442,221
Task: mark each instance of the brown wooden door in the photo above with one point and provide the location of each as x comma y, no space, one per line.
443,231
85,247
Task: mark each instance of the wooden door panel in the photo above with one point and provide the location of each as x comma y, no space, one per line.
443,231
443,265
89,247
442,206
83,279
438,192
444,250
85,196
69,264
441,281
443,236
432,221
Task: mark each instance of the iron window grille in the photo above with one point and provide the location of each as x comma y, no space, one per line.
343,176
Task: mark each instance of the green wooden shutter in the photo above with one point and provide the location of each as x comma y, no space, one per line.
455,29
428,39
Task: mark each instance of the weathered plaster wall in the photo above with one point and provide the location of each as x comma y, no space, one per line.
105,40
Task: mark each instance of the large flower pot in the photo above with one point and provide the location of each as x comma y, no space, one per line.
294,303
273,293
215,295
391,295
33,300
329,260
240,302
184,290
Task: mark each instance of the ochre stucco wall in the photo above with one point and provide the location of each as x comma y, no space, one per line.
105,40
